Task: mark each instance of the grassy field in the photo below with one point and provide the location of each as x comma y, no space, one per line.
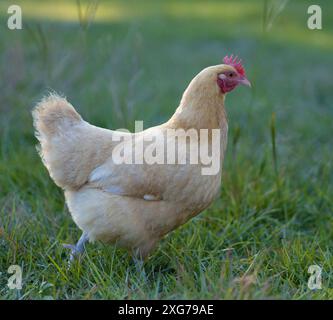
132,62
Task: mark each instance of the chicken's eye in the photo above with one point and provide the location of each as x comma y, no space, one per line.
230,74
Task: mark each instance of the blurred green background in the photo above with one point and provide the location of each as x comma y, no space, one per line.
120,61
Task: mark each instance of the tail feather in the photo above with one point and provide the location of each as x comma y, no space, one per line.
55,121
52,114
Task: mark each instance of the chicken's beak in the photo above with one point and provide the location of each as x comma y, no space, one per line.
244,81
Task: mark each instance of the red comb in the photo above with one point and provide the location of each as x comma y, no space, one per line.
237,64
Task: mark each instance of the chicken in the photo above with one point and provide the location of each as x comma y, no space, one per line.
133,204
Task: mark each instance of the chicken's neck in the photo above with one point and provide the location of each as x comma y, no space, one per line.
200,108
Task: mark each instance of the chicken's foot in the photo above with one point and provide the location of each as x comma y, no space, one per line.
78,248
139,265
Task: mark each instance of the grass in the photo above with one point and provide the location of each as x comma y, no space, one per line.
132,60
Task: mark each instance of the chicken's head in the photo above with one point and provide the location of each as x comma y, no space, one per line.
231,74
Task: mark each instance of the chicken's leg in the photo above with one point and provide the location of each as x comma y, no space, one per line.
77,249
138,261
